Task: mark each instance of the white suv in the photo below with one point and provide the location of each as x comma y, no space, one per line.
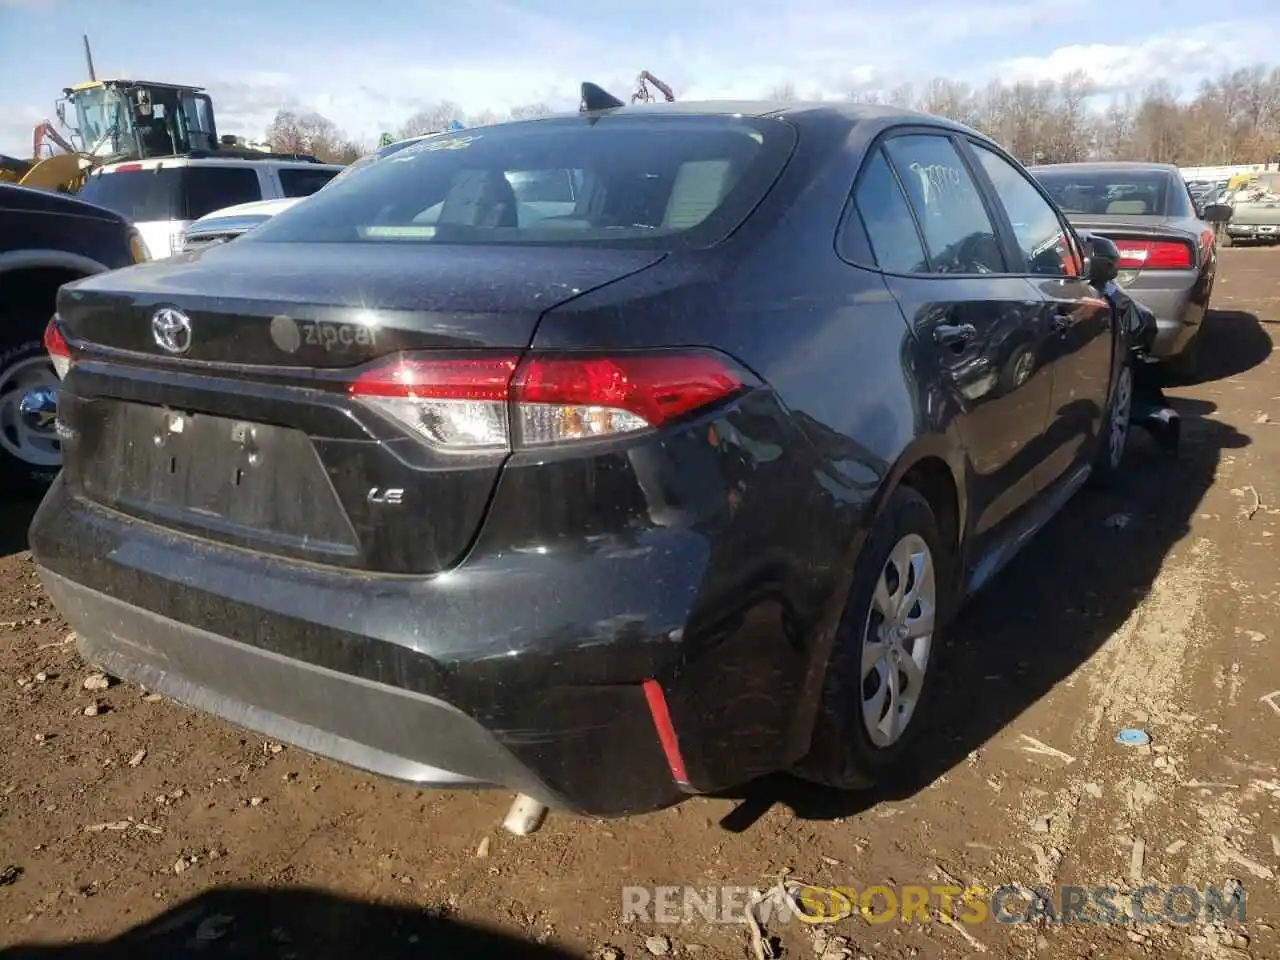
161,197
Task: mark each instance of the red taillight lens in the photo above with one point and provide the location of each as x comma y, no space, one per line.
484,402
57,347
567,398
1154,255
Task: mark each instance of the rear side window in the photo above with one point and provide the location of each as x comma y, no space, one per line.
895,242
212,188
958,233
171,193
619,181
140,196
301,182
1041,237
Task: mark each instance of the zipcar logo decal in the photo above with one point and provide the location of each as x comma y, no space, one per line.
290,335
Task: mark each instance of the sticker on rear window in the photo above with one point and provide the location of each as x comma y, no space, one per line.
431,146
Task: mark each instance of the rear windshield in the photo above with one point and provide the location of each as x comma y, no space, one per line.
371,158
1117,193
629,181
171,193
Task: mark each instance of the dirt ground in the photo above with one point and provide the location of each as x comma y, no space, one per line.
158,832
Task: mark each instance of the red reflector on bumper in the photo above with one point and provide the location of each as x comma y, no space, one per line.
666,730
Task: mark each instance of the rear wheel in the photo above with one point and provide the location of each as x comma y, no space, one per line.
1114,439
878,678
1224,239
30,451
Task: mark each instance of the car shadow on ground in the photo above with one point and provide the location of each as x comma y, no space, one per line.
1235,342
1046,614
249,923
15,518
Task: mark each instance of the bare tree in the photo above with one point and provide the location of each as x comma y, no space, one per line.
864,94
783,91
486,117
1234,118
903,95
313,134
431,118
527,111
1156,127
1114,129
950,98
1071,132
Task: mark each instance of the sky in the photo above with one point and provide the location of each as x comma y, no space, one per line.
368,66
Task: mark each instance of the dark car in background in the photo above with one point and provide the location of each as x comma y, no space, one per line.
46,239
1167,241
666,479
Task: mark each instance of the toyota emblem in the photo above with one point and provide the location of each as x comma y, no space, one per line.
171,330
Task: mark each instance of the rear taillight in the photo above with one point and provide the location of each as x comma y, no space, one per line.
138,248
1155,255
57,347
485,402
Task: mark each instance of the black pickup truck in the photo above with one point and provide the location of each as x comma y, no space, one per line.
46,239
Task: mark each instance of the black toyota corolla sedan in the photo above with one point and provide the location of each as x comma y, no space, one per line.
659,473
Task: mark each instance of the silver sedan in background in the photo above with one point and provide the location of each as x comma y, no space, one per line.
1168,253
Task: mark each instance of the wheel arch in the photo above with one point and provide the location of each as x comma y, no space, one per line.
933,466
31,278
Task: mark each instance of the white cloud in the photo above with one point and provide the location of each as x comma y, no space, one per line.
1172,57
723,50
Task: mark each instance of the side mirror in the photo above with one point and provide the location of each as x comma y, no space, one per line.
1218,212
1102,260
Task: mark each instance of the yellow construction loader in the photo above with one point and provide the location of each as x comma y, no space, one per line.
111,120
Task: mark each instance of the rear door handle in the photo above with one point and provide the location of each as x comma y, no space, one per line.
953,335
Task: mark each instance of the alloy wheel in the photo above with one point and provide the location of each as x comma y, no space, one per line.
34,445
897,640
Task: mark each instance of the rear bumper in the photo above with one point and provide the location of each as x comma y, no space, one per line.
1179,302
519,669
382,726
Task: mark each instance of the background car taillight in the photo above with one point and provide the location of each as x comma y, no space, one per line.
1155,255
57,347
484,402
138,247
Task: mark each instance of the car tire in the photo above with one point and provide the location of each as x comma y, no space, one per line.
1224,239
29,460
852,746
1113,438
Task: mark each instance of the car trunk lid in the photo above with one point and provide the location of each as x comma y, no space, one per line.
249,434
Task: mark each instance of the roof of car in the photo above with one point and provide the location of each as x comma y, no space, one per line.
264,208
846,109
198,159
1110,166
29,199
